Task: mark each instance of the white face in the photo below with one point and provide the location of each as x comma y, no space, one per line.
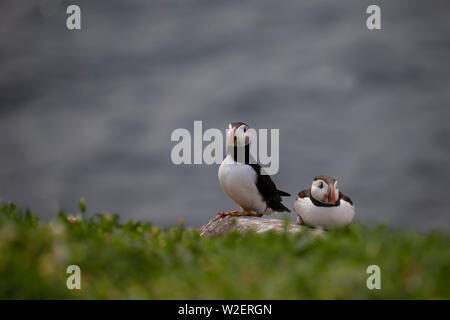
321,191
238,136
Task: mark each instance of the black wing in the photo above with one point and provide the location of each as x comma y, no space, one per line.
269,191
344,197
304,194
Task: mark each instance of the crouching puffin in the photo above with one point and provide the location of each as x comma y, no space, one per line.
323,205
242,181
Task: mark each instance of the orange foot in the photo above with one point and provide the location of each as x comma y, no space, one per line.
236,213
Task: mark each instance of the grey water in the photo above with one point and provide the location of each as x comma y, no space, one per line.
89,113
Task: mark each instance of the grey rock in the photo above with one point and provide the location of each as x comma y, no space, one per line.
219,226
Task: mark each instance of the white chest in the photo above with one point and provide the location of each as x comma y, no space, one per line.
238,181
324,216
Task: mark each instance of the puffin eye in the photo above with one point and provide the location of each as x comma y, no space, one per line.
245,129
321,185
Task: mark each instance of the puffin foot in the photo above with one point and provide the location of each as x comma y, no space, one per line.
237,213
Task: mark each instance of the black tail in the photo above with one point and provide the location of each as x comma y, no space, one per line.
281,208
283,193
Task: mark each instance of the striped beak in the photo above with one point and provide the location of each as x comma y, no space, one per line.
331,195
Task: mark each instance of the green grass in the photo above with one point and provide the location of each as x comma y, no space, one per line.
139,260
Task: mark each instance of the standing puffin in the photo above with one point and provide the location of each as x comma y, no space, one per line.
242,181
322,205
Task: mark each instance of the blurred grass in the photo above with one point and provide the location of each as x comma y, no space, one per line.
136,260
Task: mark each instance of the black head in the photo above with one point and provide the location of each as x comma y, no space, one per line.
238,134
236,125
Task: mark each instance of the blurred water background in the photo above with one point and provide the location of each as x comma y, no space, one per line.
90,113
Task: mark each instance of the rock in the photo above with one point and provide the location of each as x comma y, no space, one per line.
219,226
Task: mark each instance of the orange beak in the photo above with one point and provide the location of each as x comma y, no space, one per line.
332,196
230,137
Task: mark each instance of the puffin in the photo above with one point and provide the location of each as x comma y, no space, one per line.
323,205
240,177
